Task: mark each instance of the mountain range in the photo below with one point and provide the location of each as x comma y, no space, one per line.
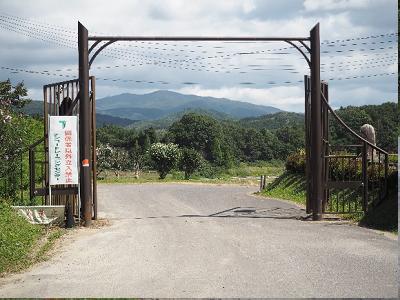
161,104
161,108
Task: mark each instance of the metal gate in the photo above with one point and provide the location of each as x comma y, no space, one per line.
354,176
61,98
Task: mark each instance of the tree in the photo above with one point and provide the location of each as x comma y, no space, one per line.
116,136
17,132
10,97
190,161
291,139
112,158
119,160
137,158
103,154
201,133
164,157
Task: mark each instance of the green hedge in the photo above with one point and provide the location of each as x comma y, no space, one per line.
340,169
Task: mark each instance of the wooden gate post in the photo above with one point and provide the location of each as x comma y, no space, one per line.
84,125
316,158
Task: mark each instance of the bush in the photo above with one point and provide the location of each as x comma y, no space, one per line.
346,169
207,170
296,162
190,161
164,157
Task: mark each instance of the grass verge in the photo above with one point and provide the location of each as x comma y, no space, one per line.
288,186
22,243
292,187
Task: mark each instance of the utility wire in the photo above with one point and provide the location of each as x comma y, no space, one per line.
47,73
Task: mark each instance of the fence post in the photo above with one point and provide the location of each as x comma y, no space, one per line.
365,175
31,174
261,182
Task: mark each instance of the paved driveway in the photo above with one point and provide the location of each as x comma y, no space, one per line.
192,240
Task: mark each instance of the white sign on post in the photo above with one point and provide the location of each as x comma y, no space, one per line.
63,149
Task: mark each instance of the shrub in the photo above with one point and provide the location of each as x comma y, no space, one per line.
164,157
296,162
190,161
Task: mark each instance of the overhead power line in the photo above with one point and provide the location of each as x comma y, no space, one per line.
48,73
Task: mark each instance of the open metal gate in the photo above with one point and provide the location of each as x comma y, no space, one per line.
61,98
354,176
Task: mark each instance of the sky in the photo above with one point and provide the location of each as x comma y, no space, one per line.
358,47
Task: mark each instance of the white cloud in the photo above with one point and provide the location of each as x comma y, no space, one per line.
284,97
338,20
317,5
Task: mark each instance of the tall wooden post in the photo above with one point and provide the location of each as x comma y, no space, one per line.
316,126
84,125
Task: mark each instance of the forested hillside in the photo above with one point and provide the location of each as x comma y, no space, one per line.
384,118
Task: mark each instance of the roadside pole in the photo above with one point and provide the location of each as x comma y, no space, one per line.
84,125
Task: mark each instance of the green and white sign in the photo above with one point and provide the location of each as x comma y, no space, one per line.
63,149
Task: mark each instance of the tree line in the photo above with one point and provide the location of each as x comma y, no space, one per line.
201,143
196,142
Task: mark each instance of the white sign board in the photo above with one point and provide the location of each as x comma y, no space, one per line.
63,149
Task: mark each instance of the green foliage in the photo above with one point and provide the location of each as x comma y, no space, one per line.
103,154
119,160
296,162
201,133
116,136
112,158
274,121
226,143
17,237
291,138
165,157
384,118
17,132
190,161
13,128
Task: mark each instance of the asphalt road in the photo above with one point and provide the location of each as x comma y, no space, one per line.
170,240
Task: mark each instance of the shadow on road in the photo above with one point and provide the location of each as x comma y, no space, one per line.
244,212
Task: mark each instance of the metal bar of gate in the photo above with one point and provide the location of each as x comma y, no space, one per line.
94,158
194,38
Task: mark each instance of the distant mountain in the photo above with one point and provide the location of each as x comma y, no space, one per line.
102,120
160,104
274,121
32,108
36,108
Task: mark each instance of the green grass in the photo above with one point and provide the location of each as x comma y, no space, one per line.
288,186
244,173
292,187
22,243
